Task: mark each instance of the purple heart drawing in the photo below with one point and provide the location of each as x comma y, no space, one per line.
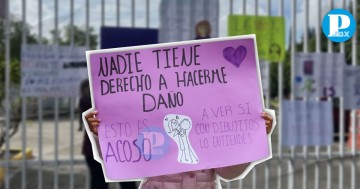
235,56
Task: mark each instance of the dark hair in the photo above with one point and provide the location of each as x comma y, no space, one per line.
206,24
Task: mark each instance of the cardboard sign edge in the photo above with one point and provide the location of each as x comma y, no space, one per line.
96,154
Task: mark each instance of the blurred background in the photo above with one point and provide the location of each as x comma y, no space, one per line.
311,82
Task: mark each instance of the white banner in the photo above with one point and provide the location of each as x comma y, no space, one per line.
307,123
319,74
188,19
48,70
352,87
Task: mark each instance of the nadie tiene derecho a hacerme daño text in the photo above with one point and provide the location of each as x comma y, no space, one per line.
128,66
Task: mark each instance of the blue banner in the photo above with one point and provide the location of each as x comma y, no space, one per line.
113,37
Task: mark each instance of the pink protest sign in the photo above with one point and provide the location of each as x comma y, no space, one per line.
178,107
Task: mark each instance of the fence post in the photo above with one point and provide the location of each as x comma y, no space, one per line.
7,94
353,112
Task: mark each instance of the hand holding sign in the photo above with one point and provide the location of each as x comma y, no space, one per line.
93,123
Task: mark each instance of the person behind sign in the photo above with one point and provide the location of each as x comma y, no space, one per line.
96,175
202,179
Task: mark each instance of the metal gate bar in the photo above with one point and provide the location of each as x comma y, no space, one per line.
291,158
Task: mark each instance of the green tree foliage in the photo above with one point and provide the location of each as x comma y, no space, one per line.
15,40
16,35
79,36
16,28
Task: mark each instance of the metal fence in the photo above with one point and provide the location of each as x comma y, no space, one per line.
317,167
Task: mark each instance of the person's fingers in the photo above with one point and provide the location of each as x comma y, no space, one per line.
266,116
94,127
268,121
268,129
91,114
94,124
95,131
93,120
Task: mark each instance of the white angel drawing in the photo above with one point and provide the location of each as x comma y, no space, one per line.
178,128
